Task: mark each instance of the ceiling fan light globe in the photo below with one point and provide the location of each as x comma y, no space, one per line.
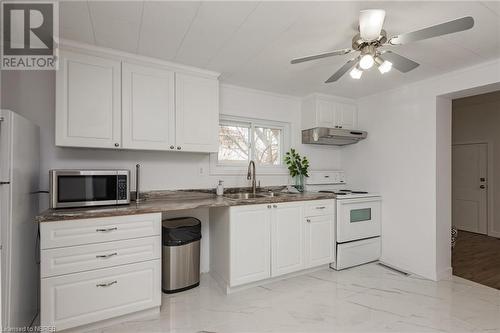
370,23
356,73
366,61
385,67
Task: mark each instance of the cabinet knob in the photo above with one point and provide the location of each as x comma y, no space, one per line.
268,206
117,144
308,221
340,126
178,148
274,206
172,147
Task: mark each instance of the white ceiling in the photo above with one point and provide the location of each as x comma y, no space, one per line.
251,43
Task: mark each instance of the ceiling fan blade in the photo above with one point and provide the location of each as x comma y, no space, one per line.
399,62
342,70
449,27
322,55
370,23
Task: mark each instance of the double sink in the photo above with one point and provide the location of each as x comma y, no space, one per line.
246,195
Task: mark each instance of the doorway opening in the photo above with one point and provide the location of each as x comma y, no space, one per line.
475,185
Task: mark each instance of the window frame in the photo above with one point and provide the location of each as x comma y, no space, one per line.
222,168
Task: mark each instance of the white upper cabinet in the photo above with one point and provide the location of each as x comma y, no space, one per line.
110,99
346,116
148,109
324,111
88,111
197,113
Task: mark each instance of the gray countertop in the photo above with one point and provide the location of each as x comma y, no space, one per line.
171,201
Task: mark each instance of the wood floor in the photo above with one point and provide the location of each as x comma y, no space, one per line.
476,257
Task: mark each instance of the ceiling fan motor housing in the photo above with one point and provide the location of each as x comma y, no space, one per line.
359,44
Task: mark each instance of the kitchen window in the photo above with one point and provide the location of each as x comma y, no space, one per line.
244,139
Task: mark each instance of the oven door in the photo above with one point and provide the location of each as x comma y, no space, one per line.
73,188
358,218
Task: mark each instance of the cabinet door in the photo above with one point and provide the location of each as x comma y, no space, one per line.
319,240
325,113
197,113
250,246
148,116
72,300
346,116
88,110
287,241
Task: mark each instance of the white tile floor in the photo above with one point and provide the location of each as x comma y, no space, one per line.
368,298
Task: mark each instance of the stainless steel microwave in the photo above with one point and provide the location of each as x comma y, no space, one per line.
84,188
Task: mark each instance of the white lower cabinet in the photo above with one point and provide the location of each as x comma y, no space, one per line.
319,240
250,244
82,298
100,277
287,238
257,242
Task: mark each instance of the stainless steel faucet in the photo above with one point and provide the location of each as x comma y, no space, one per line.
251,175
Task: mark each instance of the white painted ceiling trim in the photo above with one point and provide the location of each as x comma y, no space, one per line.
126,56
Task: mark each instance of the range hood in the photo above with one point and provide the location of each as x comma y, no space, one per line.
332,136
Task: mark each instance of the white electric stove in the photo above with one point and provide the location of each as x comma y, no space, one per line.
357,219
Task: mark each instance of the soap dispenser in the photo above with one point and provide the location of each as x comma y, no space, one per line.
220,188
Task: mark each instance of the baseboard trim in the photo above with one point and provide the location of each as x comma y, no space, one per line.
445,274
144,314
228,290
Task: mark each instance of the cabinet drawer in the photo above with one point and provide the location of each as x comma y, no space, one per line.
79,232
358,252
319,208
81,258
77,299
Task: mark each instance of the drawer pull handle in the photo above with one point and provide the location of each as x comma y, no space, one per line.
106,256
322,207
106,229
107,284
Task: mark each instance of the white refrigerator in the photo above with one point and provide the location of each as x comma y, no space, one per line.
19,181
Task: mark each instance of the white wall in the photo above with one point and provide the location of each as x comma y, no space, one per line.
406,158
476,119
31,93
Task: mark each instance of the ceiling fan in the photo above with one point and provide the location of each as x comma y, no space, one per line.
371,38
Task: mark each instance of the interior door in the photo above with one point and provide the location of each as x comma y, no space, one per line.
469,187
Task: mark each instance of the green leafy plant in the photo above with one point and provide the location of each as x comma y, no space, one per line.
296,164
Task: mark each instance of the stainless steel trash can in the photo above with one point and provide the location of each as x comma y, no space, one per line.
181,254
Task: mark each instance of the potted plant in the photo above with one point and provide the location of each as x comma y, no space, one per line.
298,168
